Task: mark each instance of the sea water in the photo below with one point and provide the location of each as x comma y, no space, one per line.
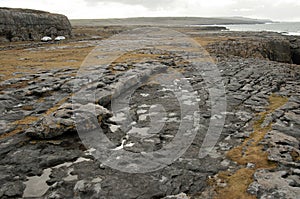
287,28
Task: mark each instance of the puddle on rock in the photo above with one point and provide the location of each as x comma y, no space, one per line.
36,186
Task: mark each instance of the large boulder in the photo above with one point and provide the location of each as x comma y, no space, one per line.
262,45
25,24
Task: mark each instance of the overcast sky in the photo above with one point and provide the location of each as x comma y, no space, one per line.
279,10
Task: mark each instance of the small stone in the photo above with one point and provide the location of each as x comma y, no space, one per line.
224,146
119,68
296,171
222,184
102,166
179,196
225,163
251,166
253,188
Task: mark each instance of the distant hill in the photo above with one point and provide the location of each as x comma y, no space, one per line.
168,21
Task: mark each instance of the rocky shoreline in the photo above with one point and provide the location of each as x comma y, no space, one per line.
257,154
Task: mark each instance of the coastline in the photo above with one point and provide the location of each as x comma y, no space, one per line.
286,28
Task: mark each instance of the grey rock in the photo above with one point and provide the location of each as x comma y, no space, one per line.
267,121
290,106
275,138
254,188
12,189
281,147
12,116
178,196
277,114
24,24
5,126
275,47
250,165
244,116
66,119
292,117
287,128
296,171
53,160
295,180
273,185
119,68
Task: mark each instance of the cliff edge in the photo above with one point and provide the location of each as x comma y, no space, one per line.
25,24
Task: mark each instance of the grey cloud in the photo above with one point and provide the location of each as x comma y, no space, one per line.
271,9
151,4
267,9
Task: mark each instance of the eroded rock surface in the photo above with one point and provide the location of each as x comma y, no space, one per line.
263,45
25,24
41,105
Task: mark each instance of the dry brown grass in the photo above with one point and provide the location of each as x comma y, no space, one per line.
27,121
276,102
237,184
13,86
56,106
31,61
295,155
204,41
21,125
12,133
27,108
250,151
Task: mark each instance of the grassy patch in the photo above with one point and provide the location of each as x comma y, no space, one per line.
56,106
27,108
250,151
295,155
21,125
12,133
237,184
26,121
205,41
32,61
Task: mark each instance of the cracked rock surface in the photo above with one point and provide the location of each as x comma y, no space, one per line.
41,115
